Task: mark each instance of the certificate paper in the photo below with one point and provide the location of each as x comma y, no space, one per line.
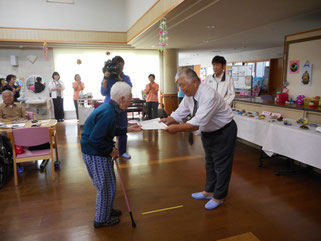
152,124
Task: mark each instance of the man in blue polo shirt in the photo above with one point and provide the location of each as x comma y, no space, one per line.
106,84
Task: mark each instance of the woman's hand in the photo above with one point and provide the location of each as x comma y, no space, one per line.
120,78
114,153
107,74
134,128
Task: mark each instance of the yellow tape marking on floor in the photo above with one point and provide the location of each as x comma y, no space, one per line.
164,209
175,159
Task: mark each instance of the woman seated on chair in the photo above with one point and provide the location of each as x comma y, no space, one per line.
98,151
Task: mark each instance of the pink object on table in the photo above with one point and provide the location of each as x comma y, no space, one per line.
300,100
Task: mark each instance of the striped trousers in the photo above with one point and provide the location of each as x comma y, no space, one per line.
101,172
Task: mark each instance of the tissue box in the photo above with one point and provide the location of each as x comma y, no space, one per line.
282,98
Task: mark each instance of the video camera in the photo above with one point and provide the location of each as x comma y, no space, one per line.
113,68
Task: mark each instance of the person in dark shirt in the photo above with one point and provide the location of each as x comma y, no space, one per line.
39,87
98,150
11,79
108,81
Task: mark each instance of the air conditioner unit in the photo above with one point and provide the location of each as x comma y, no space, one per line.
14,60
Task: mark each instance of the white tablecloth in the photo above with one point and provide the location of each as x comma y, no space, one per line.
274,137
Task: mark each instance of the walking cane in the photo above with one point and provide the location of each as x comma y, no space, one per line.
124,191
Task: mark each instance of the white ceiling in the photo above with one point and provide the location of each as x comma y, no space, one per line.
233,25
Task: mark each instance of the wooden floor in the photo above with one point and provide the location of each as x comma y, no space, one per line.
163,172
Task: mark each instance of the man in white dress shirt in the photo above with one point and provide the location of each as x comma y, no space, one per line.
212,118
221,82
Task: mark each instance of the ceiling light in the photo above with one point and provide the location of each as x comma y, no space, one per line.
210,27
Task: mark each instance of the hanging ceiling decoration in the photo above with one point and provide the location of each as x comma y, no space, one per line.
45,49
163,38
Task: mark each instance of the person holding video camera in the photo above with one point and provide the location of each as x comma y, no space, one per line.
113,73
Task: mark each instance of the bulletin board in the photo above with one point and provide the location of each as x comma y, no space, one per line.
305,52
242,76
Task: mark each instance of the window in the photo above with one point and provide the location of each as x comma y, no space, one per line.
138,65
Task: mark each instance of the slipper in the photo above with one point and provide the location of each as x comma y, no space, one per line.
211,204
115,212
200,195
111,222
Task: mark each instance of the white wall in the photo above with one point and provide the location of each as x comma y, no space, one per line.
41,67
99,15
205,59
136,8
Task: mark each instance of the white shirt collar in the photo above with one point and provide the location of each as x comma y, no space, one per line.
218,77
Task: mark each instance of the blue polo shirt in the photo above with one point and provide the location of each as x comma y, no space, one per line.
100,129
110,83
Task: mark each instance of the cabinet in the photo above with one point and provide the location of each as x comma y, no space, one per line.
85,107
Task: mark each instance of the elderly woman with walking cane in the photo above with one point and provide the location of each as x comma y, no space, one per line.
99,152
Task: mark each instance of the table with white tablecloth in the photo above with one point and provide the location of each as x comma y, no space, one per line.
276,138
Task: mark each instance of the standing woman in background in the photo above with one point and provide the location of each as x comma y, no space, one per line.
56,88
77,86
151,91
11,79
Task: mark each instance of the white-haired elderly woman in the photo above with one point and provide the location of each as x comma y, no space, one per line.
98,151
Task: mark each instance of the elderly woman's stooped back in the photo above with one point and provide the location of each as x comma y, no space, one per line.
98,151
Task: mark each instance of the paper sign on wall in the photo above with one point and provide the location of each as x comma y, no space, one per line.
306,74
294,66
20,81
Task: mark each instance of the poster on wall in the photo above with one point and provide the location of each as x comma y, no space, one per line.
203,74
306,74
20,82
257,85
294,66
242,76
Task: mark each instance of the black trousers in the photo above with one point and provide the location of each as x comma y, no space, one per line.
152,110
76,107
219,151
59,108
